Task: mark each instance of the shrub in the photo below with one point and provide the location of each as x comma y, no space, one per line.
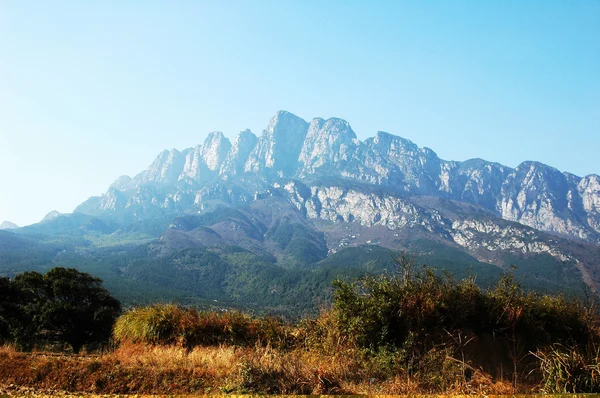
418,313
186,327
157,324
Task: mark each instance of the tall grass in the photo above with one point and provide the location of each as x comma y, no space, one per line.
168,324
569,370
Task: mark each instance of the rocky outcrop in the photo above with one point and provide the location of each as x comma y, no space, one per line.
330,148
589,191
165,169
203,162
544,198
236,159
276,153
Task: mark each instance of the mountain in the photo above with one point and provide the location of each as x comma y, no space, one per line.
268,221
75,224
8,225
51,216
290,149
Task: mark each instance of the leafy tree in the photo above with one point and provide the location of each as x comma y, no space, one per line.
9,310
4,300
64,305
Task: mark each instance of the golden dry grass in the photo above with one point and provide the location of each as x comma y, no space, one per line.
142,369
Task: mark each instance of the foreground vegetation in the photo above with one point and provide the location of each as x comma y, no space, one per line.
62,308
414,332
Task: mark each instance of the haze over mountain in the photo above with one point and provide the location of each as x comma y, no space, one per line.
269,221
51,216
293,155
8,225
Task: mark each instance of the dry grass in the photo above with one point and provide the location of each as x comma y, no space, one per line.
142,369
449,339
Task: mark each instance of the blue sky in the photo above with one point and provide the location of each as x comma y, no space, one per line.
93,90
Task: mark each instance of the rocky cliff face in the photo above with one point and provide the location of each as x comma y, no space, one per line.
330,148
239,153
276,153
328,174
202,163
589,191
546,199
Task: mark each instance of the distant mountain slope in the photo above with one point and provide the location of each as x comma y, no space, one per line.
270,257
8,225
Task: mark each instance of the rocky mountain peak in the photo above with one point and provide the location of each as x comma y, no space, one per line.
51,216
398,149
203,162
215,149
479,164
328,144
278,148
245,135
243,144
282,117
316,123
122,183
533,175
589,188
414,169
533,193
542,197
165,169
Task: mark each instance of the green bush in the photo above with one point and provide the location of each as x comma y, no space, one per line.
418,313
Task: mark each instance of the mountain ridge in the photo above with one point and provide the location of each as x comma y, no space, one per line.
532,193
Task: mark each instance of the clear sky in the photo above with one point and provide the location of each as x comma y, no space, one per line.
90,91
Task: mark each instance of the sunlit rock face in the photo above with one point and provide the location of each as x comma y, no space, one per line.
589,191
377,181
215,150
236,159
480,182
330,148
276,153
202,163
546,199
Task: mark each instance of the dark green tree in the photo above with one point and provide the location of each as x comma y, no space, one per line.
9,310
65,305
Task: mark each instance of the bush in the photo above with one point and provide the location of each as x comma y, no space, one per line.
157,324
169,324
420,313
